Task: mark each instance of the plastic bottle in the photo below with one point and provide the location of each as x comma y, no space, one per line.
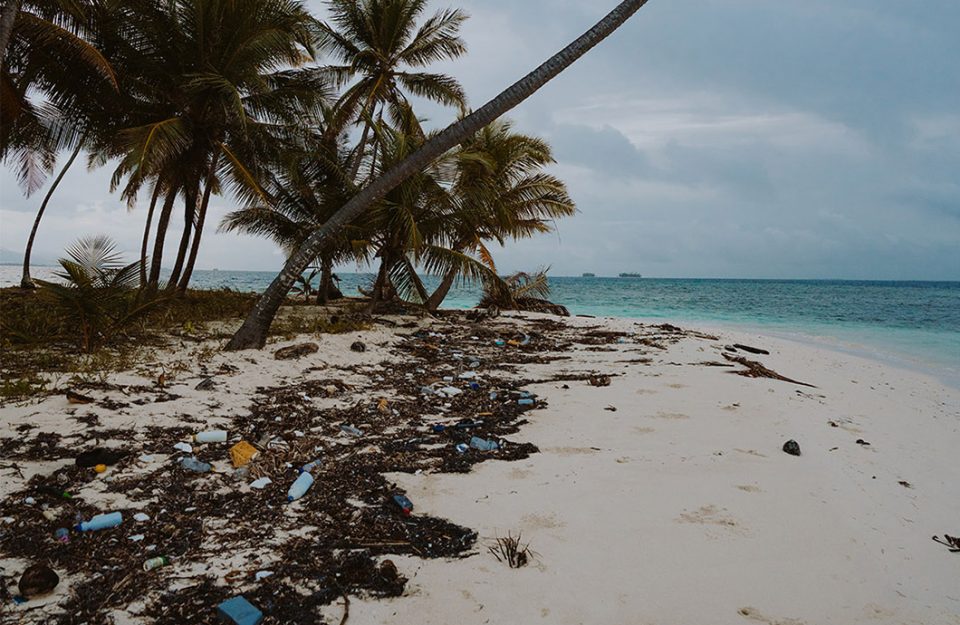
310,466
481,444
190,463
526,401
474,386
300,487
462,448
352,431
406,506
101,521
155,563
210,436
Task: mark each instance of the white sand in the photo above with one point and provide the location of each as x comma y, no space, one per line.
680,507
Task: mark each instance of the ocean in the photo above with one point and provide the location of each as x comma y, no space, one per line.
909,324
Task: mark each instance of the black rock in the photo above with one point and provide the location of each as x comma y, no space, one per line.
37,580
358,347
100,455
207,384
792,447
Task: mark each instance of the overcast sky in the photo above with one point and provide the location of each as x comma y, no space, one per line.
706,138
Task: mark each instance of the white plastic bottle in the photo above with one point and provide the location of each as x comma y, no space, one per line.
210,436
300,487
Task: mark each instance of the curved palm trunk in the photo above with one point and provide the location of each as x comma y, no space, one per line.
253,332
189,212
26,282
326,280
154,280
201,218
146,235
7,18
433,302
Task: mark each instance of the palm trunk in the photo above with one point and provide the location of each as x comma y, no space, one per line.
8,15
358,154
146,235
326,280
434,301
189,212
26,282
253,332
201,218
154,282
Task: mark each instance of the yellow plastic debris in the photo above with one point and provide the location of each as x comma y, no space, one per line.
242,453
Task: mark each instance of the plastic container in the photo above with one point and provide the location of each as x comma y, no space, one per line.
300,487
481,444
499,342
474,386
62,535
462,448
210,436
526,401
100,522
352,431
190,463
310,466
405,505
155,563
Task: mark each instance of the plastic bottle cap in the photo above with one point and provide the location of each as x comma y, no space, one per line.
100,468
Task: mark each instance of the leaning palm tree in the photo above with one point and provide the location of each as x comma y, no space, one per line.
382,53
253,332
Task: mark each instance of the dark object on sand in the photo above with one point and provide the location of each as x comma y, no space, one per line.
611,408
296,351
358,347
756,370
752,350
77,398
405,505
862,442
792,447
950,542
38,580
905,484
100,455
510,550
207,384
240,611
599,380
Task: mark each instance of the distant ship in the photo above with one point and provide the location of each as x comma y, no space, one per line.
589,275
630,275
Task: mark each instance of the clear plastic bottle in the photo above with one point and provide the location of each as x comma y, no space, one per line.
190,463
155,563
300,487
310,466
101,521
210,436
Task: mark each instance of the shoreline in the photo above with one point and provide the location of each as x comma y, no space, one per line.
676,506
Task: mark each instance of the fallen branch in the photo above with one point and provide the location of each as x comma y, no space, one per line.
756,370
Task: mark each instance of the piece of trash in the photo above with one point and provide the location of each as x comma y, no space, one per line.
792,447
310,466
951,542
242,453
137,538
300,487
468,375
481,444
78,398
599,380
29,501
141,517
383,405
405,505
191,463
62,535
261,483
38,580
352,431
240,611
100,522
261,575
207,384
860,441
526,401
426,390
499,342
210,436
296,351
474,386
467,424
358,346
493,395
439,427
462,448
449,391
100,455
156,563
184,447
525,341
100,468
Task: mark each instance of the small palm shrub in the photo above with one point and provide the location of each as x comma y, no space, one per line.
98,298
521,291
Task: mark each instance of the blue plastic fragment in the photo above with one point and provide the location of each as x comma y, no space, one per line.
240,611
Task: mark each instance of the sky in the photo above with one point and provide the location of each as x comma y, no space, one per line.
705,138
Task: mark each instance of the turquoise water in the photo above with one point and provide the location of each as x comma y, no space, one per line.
913,324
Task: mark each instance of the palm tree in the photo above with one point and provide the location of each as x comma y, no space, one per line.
253,332
214,85
380,47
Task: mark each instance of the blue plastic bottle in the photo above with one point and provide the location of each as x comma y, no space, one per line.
406,506
526,401
300,487
101,521
310,466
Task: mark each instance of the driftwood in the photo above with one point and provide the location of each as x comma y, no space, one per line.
296,351
756,370
752,350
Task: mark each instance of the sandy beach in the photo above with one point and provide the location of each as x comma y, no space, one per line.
661,498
